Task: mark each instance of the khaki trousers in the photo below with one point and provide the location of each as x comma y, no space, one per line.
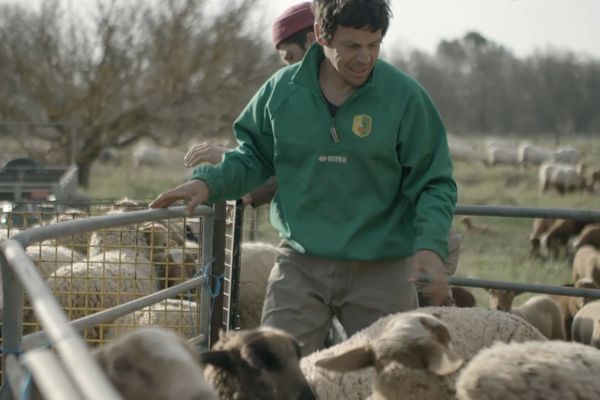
304,293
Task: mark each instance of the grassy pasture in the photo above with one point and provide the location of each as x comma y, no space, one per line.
502,254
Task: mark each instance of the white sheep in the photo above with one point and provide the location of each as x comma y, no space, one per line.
523,371
257,260
586,325
496,156
176,314
563,177
154,364
409,358
529,154
105,280
470,329
78,242
48,257
566,155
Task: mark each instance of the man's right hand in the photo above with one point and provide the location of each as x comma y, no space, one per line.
204,152
194,192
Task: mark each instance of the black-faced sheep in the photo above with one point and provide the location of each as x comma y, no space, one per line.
258,364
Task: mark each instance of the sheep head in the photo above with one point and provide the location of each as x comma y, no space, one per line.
262,364
416,341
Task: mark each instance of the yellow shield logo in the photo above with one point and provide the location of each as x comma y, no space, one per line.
361,125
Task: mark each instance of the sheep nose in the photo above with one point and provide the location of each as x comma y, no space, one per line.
307,394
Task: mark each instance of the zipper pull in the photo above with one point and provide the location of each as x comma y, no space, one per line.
334,135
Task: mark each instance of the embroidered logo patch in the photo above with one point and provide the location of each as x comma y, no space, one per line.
361,125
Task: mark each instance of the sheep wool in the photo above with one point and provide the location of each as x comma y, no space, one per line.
470,329
523,371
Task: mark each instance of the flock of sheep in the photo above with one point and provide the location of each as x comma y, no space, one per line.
430,353
561,169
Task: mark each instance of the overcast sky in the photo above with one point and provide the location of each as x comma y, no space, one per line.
521,25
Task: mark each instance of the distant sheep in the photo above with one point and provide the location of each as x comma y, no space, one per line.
586,325
529,154
258,364
590,235
570,305
473,228
501,156
540,311
586,264
148,155
524,371
563,177
557,236
566,155
539,227
470,329
154,364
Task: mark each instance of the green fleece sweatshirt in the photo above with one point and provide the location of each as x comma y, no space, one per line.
372,183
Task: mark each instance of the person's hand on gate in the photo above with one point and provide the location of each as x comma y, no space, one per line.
427,262
204,152
194,193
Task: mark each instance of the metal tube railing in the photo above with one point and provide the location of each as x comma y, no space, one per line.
69,345
19,272
527,212
521,287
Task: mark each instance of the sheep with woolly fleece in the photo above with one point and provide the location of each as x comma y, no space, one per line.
409,358
256,364
586,325
563,177
176,314
103,281
48,257
257,260
566,155
154,364
557,236
590,235
586,264
529,154
79,242
470,329
540,311
538,227
552,370
570,305
498,156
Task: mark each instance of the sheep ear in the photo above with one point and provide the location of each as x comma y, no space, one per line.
218,358
441,360
351,360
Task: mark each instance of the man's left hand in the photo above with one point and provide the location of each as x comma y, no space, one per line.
427,262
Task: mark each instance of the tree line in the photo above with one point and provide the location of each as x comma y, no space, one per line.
167,70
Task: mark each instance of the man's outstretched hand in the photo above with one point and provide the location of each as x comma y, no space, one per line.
194,193
426,262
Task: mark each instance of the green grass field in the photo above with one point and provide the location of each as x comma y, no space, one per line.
502,254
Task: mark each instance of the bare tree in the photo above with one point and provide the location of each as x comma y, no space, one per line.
160,70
